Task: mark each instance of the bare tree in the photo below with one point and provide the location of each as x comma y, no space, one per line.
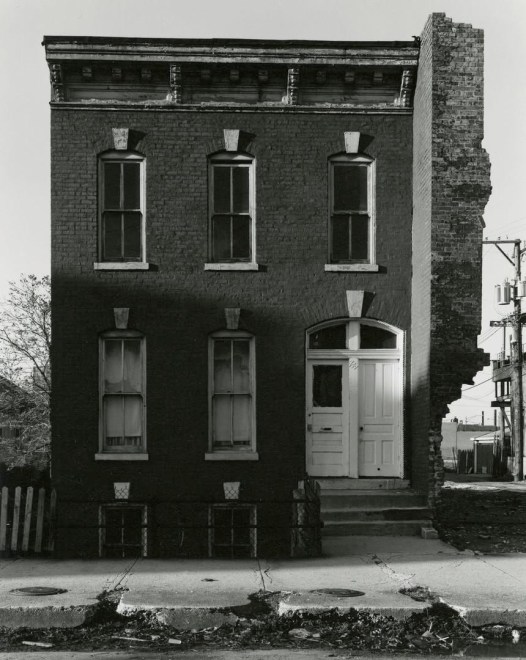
25,375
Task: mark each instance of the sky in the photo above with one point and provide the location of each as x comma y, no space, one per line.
24,113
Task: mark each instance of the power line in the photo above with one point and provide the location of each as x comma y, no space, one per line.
472,386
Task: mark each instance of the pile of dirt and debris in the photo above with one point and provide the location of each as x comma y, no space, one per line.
436,630
487,518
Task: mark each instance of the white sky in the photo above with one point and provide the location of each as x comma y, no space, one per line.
24,113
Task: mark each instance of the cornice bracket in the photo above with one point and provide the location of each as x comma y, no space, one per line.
406,88
175,95
57,82
293,80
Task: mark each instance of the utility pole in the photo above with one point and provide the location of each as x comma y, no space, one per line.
516,356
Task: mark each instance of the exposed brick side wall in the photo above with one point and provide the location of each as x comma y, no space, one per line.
177,303
451,189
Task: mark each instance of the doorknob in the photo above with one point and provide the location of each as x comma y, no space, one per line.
361,428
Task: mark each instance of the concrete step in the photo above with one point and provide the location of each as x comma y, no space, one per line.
338,498
345,483
375,514
379,528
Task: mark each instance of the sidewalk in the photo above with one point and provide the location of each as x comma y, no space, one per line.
188,593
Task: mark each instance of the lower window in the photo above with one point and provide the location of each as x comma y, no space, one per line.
123,530
122,392
232,385
232,532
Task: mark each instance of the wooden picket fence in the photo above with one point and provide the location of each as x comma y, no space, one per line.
27,519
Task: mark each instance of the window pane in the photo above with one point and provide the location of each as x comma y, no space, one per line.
131,186
132,519
132,236
332,337
112,246
113,523
371,337
132,366
222,189
112,366
222,366
223,526
133,420
360,237
241,366
112,186
241,522
242,418
241,237
327,386
113,420
240,182
350,187
221,238
340,238
222,420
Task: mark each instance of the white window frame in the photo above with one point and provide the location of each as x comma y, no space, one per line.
248,453
370,263
105,453
121,157
229,160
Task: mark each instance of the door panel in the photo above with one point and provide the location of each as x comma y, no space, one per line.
327,418
379,412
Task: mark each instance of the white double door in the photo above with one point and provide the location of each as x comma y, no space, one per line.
353,417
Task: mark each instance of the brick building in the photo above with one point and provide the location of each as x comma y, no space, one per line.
266,261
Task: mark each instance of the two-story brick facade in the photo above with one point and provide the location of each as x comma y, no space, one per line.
253,248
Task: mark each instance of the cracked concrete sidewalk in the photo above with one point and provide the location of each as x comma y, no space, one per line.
188,593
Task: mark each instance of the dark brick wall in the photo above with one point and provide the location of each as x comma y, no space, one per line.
451,189
176,304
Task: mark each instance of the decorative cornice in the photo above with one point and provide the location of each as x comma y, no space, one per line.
229,51
259,72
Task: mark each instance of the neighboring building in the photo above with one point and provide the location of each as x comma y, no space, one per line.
266,261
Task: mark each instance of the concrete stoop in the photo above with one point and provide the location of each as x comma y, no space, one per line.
380,507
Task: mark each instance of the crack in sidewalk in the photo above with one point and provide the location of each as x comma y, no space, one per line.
401,578
263,573
120,579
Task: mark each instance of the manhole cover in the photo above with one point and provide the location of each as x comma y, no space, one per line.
38,591
341,593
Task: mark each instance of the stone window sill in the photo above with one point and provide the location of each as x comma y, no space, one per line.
351,268
240,265
232,456
121,265
107,456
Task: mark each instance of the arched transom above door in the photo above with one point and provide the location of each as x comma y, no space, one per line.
354,412
354,335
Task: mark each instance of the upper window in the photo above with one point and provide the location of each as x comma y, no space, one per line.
123,392
351,223
122,207
231,203
232,392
